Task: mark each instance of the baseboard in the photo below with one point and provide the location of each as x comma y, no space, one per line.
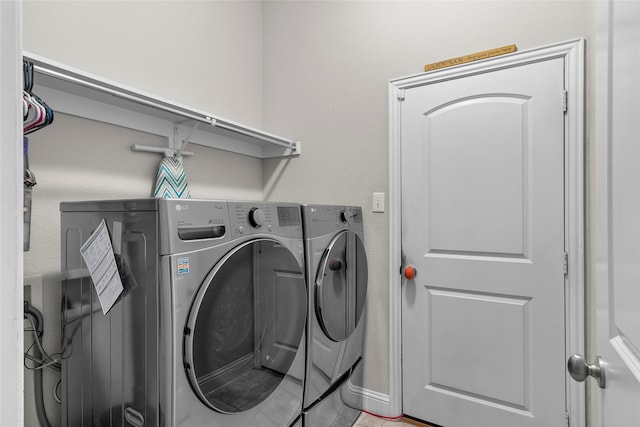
373,401
377,403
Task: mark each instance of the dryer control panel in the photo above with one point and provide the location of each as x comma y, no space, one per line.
282,219
325,219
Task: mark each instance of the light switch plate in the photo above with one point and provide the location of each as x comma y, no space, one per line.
378,202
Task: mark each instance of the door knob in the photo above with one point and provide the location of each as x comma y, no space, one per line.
579,369
409,272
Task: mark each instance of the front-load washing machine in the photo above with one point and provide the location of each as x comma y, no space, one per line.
336,265
209,329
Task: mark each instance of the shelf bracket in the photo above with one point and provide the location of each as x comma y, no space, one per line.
166,151
180,144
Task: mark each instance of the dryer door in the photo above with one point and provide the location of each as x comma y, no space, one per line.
246,326
341,286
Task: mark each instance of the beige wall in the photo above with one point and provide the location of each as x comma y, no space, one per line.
314,71
204,54
327,67
207,55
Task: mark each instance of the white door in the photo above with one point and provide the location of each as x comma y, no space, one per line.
483,223
618,212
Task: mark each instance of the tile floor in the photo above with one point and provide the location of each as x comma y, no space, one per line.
368,420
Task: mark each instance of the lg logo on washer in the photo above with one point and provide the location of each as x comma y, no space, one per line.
181,207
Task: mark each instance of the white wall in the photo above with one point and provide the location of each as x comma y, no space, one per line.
314,71
326,70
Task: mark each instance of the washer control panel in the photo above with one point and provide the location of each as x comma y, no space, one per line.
257,217
349,214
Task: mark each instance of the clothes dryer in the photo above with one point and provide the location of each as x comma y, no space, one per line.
210,328
337,276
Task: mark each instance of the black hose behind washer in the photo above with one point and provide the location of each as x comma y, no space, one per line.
38,324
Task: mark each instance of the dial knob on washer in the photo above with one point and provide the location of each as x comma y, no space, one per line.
257,217
347,214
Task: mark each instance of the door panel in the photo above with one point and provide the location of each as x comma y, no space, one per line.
473,208
497,328
483,223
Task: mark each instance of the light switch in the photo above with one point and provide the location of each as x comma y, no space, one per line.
378,202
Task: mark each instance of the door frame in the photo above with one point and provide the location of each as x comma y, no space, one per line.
573,54
11,217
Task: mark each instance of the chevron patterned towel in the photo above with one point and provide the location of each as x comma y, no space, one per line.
171,181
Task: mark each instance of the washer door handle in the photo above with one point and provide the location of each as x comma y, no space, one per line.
134,417
335,264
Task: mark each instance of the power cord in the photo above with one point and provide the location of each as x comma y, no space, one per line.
37,322
46,361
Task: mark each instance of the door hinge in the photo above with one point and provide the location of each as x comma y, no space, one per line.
565,263
400,95
566,419
565,100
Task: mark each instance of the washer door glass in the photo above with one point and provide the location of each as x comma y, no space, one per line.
341,286
245,326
